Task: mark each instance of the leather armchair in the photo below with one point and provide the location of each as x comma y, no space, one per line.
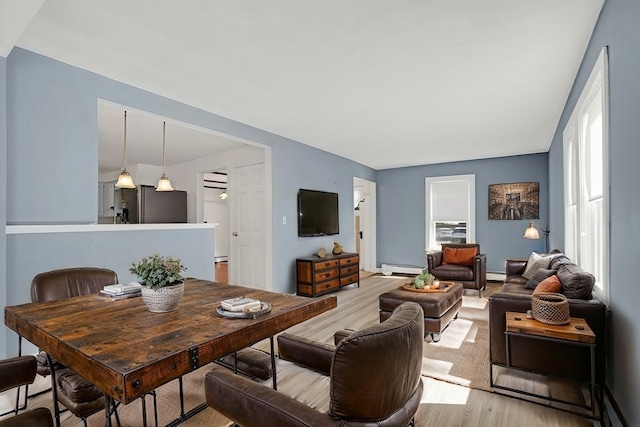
471,277
16,372
74,392
374,379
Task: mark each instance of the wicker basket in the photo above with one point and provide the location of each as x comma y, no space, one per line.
550,308
163,299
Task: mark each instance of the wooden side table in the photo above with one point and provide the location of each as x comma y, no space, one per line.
576,332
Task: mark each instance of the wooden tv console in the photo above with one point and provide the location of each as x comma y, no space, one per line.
318,276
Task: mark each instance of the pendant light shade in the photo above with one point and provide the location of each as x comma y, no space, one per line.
125,180
164,184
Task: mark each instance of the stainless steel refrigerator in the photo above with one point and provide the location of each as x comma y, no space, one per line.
145,205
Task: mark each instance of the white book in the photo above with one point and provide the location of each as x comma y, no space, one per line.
121,288
240,304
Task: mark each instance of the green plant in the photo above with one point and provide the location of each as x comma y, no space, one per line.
421,280
158,271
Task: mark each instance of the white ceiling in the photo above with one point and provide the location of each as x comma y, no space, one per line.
387,83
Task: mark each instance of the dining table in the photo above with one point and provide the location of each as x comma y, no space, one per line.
128,351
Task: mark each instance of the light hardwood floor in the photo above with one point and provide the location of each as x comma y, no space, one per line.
443,404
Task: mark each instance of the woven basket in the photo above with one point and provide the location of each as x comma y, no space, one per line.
163,299
550,308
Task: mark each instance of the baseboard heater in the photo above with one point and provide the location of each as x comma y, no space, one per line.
389,269
496,276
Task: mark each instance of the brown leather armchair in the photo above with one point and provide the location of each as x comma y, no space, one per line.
374,379
75,393
16,372
473,276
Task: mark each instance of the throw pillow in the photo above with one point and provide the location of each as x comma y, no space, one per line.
576,283
534,263
463,256
550,284
539,276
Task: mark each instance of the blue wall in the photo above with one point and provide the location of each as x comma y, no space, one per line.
619,28
53,113
401,210
298,166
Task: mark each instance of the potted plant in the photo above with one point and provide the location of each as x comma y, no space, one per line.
422,280
161,280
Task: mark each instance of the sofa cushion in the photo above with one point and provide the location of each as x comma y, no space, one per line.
559,259
534,263
550,284
539,276
453,272
461,256
576,283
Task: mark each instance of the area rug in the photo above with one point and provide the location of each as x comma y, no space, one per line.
462,354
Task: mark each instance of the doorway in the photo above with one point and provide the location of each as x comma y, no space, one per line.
364,202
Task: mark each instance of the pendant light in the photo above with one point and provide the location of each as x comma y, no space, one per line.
125,180
164,184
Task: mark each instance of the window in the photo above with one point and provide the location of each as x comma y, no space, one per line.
450,210
586,179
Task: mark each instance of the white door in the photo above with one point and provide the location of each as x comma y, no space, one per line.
365,192
247,263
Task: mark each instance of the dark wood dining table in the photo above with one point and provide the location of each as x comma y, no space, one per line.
128,351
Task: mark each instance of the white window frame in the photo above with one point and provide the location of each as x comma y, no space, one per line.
430,237
586,212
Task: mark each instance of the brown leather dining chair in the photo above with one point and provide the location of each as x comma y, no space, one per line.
75,393
374,379
14,373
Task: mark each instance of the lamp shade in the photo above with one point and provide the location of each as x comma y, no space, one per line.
531,232
125,180
164,184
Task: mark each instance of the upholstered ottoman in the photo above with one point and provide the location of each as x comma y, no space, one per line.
439,307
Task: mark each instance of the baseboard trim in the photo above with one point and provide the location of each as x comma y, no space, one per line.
619,417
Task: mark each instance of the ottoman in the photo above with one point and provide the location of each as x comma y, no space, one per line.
439,307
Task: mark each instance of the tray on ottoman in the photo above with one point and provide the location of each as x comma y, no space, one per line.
444,287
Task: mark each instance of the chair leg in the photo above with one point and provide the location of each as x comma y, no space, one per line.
54,391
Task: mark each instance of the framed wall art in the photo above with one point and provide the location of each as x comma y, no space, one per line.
514,201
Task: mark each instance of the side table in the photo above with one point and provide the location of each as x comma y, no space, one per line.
577,332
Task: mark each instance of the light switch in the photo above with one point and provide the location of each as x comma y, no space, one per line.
284,220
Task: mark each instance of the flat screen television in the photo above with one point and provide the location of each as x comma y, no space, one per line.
317,213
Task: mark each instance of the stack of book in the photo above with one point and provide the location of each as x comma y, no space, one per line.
241,304
122,291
